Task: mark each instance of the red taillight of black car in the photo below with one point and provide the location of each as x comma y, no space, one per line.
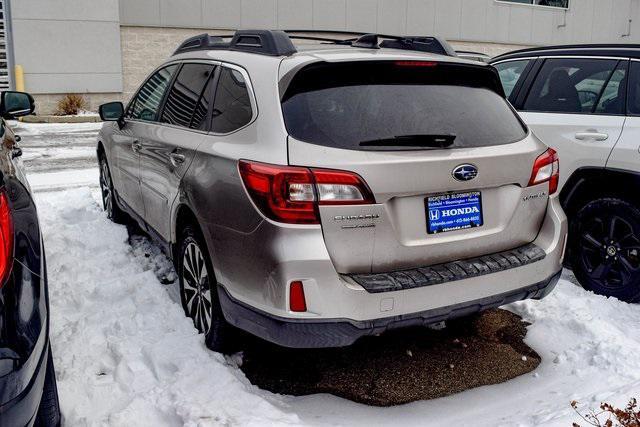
292,194
6,238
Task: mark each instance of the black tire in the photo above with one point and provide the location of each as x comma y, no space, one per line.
109,200
199,292
49,409
605,248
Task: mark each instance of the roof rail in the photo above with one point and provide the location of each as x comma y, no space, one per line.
264,42
278,43
586,46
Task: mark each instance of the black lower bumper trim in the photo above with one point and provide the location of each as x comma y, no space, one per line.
22,409
450,271
310,333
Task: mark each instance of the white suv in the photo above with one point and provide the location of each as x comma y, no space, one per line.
584,101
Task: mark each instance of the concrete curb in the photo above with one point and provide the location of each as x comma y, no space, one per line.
61,119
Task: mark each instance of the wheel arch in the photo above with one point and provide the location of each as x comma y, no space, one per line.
183,215
591,183
100,149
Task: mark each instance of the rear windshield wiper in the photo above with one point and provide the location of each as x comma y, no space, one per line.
426,140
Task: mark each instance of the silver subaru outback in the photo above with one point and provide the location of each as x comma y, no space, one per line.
318,193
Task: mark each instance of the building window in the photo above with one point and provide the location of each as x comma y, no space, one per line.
551,3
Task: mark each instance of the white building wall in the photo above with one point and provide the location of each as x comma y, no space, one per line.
104,48
586,21
68,46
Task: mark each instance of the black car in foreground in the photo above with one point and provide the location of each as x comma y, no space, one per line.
28,393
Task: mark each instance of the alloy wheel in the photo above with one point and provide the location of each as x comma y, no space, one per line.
196,289
105,185
610,251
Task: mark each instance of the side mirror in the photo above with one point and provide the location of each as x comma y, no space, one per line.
16,104
111,111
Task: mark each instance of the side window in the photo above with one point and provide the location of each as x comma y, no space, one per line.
199,120
613,97
146,104
569,85
185,96
510,73
232,105
634,89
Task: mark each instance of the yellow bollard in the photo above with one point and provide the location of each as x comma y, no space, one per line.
19,76
19,73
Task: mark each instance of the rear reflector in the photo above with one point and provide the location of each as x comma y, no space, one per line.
292,194
6,238
297,301
546,168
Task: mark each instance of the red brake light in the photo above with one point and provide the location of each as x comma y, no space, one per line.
546,168
297,300
415,63
292,194
6,238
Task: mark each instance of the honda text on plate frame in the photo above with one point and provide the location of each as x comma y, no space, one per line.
450,212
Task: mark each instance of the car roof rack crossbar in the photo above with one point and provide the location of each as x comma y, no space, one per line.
421,44
264,42
429,44
278,43
320,39
367,41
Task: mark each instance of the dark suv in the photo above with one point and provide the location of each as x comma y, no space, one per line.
584,102
28,394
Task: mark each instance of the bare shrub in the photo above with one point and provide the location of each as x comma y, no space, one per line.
70,105
610,416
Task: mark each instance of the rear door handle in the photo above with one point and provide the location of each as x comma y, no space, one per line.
176,158
596,136
136,146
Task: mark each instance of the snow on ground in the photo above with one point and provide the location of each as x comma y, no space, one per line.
124,351
126,355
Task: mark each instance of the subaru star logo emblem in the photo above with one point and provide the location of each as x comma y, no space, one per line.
465,172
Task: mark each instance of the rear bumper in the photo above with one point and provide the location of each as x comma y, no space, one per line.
22,409
311,333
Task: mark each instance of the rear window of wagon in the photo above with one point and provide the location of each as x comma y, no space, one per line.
357,105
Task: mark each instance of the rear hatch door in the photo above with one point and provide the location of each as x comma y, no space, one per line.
445,156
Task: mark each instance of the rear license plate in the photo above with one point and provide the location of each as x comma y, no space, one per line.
450,212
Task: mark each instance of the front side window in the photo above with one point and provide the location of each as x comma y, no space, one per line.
147,103
510,73
571,85
232,104
185,97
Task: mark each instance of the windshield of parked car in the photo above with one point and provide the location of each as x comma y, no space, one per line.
399,105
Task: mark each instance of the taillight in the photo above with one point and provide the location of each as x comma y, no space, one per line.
6,238
292,194
546,168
